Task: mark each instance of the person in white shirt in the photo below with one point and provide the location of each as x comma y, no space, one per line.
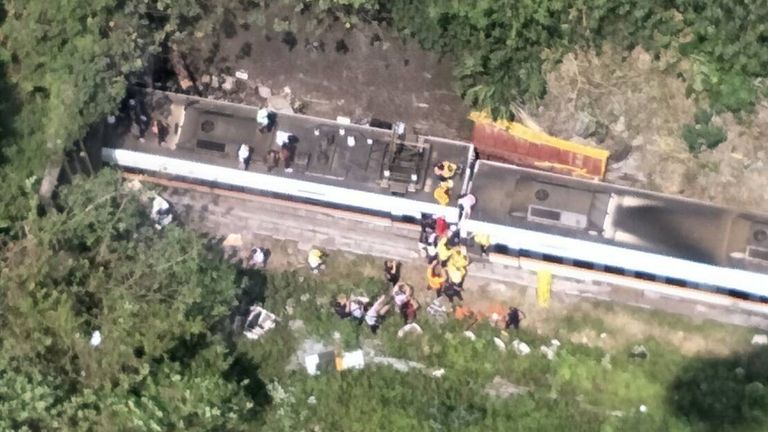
244,156
375,312
466,202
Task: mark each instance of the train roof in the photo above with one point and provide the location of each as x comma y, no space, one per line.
621,216
326,151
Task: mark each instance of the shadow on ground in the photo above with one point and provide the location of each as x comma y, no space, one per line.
723,394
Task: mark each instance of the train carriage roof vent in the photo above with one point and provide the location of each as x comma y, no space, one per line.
757,253
557,217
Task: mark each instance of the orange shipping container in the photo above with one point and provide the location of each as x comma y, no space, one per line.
514,143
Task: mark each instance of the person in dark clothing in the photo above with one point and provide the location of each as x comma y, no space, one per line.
452,291
514,316
340,309
392,271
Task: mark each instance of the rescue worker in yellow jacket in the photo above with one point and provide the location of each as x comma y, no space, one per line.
443,251
445,170
316,260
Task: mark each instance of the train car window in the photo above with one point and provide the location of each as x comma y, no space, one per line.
615,270
584,264
552,258
676,282
645,276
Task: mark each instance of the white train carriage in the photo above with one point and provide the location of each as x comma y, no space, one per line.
602,232
336,164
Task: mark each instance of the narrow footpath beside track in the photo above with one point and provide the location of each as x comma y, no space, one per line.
221,212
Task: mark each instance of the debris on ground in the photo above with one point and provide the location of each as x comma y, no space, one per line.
760,339
233,240
639,352
95,338
502,388
329,360
161,213
259,322
471,336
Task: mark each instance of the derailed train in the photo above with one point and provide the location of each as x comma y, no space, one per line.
536,220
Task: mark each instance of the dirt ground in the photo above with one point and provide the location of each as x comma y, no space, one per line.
360,72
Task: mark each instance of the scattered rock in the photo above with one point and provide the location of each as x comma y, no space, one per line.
502,388
264,91
296,325
279,103
760,339
311,400
228,83
500,344
548,352
471,336
643,409
398,364
409,328
233,240
521,348
585,125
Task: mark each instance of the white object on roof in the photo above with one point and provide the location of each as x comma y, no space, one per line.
282,137
343,120
95,338
242,74
243,152
760,339
342,131
351,141
369,141
259,322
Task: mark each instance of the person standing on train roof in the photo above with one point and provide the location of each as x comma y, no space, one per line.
244,156
445,170
465,204
441,194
